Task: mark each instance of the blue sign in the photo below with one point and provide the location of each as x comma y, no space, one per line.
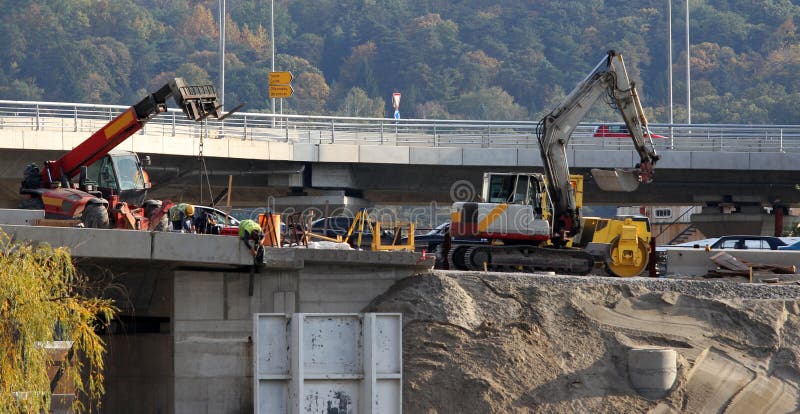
396,114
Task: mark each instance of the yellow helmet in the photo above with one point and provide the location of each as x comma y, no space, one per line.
189,210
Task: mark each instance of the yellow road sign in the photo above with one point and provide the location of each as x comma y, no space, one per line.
280,78
280,91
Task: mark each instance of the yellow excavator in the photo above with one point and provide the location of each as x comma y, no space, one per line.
533,221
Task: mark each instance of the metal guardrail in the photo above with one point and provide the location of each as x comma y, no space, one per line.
72,117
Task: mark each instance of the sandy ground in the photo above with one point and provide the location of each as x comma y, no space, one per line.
489,342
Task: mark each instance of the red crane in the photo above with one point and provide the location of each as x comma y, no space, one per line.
113,190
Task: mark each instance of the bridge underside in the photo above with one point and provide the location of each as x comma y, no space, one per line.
261,183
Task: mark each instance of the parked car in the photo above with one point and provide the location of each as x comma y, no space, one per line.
430,240
748,242
209,220
617,131
339,226
793,246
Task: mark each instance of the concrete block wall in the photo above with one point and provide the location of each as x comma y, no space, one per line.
213,314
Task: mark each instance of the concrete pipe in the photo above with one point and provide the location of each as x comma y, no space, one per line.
652,371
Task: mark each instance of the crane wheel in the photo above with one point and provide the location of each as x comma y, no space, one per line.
95,216
628,262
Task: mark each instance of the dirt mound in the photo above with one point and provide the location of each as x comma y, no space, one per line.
488,342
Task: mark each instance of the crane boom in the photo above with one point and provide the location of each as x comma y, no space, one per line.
608,78
196,101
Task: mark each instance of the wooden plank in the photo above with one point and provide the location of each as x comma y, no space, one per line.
56,223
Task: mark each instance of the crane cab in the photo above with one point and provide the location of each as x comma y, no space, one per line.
120,173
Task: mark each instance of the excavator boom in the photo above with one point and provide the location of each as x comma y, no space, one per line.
610,78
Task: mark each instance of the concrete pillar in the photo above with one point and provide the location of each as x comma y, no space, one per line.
779,211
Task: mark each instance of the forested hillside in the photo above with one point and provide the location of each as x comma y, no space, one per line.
466,59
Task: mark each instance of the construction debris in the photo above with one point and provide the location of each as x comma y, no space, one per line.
731,266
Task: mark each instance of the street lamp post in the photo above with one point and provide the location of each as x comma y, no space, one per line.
221,53
688,72
272,29
669,67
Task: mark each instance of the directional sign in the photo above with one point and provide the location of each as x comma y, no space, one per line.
280,78
280,91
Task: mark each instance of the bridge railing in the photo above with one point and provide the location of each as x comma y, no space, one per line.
88,118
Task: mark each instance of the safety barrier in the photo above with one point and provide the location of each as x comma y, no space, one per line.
308,129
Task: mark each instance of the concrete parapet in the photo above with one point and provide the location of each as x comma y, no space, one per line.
20,216
383,154
604,159
490,156
338,153
695,261
89,243
435,156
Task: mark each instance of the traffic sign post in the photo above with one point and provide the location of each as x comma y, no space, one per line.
396,100
280,91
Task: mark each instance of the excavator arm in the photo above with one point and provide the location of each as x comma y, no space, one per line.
608,78
197,102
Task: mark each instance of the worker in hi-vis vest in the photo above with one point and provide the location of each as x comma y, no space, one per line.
250,231
181,217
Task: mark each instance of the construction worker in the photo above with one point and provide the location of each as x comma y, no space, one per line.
250,231
181,217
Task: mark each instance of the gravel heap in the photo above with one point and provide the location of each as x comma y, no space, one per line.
513,342
709,288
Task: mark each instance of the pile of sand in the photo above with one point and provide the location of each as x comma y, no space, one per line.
488,342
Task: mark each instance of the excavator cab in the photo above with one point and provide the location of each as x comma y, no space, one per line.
513,188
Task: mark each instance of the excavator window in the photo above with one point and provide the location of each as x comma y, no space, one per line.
521,193
501,187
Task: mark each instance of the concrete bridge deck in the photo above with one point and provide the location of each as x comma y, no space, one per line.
409,174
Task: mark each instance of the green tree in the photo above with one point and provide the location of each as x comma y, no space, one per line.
358,104
488,103
43,298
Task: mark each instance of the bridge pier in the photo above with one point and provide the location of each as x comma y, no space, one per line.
728,218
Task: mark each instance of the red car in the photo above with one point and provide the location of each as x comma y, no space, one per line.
617,131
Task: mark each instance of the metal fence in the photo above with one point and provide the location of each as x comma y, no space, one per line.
71,117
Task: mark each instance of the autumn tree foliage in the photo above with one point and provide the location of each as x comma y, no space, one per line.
457,59
43,298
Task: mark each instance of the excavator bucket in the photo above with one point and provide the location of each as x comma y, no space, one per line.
617,179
